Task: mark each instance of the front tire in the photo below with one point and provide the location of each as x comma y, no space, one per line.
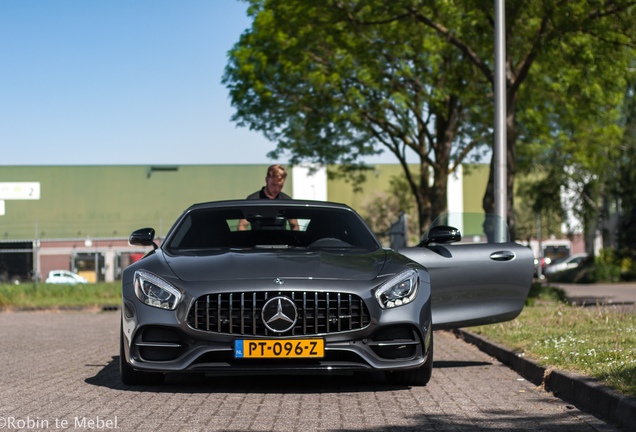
415,377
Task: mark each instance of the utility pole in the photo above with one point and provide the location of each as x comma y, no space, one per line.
36,256
540,254
500,148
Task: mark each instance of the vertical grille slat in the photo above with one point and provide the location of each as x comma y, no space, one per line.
293,296
339,314
316,308
230,311
239,313
242,313
207,313
327,308
196,314
218,314
304,312
350,313
254,313
265,328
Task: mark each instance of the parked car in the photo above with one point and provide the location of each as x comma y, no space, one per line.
561,264
319,296
65,277
544,262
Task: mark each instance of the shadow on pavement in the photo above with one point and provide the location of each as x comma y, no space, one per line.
431,419
108,377
442,364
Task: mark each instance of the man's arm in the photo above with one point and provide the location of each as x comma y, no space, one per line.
242,225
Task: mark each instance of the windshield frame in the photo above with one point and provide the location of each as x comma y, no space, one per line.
326,217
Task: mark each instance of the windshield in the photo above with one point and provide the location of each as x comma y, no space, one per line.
476,227
270,227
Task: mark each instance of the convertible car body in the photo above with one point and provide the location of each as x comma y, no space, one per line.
261,286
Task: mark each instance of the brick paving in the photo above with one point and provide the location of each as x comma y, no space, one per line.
59,371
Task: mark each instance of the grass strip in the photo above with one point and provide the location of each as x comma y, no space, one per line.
598,341
27,296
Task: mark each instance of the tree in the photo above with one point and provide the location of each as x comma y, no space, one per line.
539,205
381,208
564,61
329,89
334,81
626,192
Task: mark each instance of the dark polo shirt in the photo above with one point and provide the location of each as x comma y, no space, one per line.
261,195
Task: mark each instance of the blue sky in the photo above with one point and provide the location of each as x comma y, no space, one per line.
100,82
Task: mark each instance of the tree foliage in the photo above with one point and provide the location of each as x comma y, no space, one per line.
333,81
381,208
538,212
565,62
328,87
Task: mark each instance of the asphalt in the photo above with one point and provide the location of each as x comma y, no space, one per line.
584,392
620,294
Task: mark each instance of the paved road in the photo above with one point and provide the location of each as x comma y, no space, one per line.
59,372
619,294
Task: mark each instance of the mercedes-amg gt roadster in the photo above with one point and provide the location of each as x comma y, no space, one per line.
287,286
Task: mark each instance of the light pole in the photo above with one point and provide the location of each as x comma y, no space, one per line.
500,148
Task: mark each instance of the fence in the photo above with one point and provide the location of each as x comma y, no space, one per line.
99,260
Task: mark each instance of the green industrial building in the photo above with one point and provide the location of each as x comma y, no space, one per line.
84,214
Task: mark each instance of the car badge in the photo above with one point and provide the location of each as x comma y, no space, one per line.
279,281
279,314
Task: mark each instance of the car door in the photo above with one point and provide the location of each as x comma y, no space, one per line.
482,279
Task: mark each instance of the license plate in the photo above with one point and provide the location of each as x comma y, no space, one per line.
284,348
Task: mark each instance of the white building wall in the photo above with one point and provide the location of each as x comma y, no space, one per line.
309,185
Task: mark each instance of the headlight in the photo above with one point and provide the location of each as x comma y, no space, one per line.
399,290
156,292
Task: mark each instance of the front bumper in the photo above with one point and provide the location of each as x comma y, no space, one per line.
156,340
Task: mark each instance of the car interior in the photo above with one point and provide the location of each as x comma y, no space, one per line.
219,229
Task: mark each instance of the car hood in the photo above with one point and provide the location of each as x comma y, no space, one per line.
231,265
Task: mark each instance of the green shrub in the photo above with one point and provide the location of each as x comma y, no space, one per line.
543,292
628,269
607,266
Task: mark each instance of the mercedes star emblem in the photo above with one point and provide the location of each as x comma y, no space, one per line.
279,314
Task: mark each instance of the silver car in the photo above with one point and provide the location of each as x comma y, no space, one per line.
272,286
567,263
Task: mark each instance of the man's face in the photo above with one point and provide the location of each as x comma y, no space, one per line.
273,186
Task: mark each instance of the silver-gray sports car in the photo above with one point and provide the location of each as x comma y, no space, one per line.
287,286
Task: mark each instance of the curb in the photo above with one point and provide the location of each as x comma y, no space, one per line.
583,391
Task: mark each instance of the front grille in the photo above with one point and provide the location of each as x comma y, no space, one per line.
240,313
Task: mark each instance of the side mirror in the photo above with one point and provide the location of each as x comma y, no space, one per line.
143,237
441,234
